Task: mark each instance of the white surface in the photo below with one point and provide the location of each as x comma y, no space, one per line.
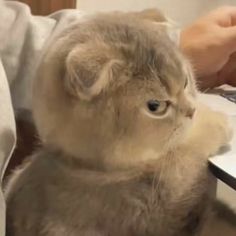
219,103
226,163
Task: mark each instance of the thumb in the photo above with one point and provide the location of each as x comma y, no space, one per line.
231,80
230,38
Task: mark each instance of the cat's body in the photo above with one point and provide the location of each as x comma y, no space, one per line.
64,199
124,153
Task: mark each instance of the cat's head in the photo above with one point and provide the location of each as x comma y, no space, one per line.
115,89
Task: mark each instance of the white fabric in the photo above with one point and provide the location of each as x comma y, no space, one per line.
22,38
7,134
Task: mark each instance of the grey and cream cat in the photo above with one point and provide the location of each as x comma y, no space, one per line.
125,141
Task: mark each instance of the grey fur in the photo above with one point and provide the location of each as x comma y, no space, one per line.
108,166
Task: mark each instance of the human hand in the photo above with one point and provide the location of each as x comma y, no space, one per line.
210,44
227,75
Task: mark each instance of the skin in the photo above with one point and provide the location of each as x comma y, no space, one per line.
210,44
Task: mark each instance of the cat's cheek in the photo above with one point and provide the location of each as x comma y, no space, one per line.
188,123
230,129
183,130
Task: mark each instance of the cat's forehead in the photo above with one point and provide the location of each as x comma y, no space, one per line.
159,66
163,81
147,49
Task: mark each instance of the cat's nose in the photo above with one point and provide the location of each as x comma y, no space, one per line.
190,112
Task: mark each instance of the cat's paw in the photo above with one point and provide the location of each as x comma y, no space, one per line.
211,131
226,127
219,131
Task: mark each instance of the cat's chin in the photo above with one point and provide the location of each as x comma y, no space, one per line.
135,158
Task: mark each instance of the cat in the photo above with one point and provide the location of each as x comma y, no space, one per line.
222,221
125,140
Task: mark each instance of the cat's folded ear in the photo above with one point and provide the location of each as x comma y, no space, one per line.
152,14
155,16
90,70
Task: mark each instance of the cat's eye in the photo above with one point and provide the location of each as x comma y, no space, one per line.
157,107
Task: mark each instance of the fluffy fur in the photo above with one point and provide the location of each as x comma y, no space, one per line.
110,165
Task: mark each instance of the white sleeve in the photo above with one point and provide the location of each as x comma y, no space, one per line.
7,136
22,39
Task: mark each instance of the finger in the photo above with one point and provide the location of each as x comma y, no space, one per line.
224,16
228,72
229,67
229,37
211,81
232,14
232,79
